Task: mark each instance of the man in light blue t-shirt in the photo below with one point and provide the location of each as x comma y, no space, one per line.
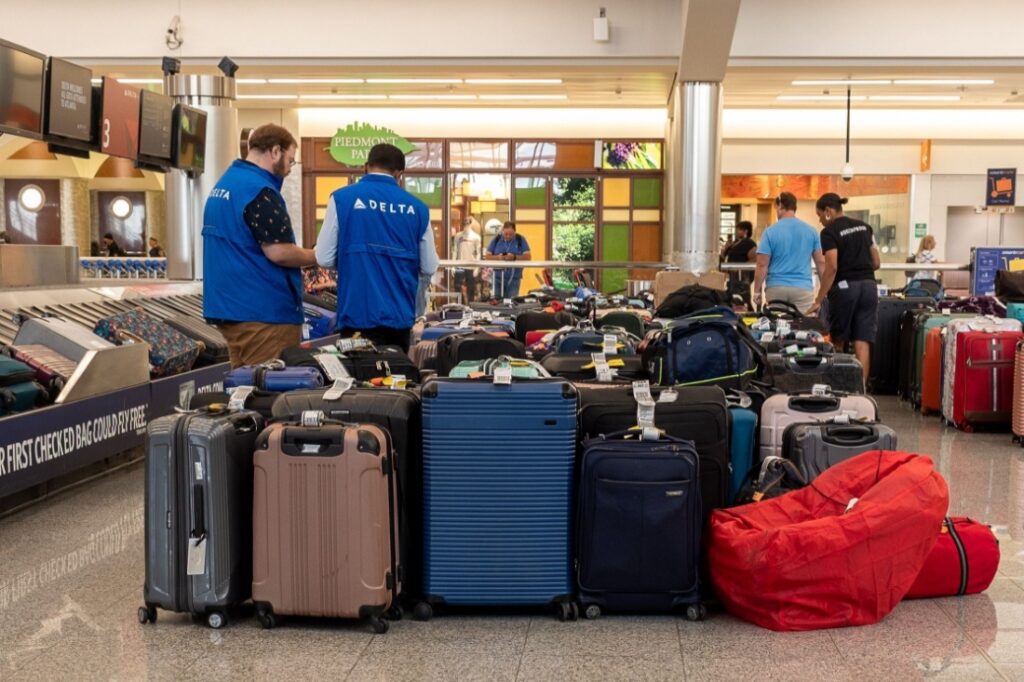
784,258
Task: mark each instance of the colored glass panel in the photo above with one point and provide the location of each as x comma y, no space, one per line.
616,215
614,247
428,189
325,184
647,192
531,192
646,215
566,156
536,235
531,214
646,247
616,192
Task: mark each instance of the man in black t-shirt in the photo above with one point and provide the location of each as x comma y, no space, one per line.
851,259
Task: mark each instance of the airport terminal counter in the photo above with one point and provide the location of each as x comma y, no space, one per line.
99,418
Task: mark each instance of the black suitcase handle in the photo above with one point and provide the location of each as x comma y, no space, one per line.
815,403
198,513
296,442
851,435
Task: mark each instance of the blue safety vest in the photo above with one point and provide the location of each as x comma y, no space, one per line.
240,283
380,227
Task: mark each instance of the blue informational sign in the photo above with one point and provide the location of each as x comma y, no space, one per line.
1001,187
986,261
41,445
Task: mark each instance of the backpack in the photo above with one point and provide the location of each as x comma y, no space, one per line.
689,300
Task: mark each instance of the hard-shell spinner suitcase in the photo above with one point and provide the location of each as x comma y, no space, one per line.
931,372
498,463
215,346
817,446
199,513
13,371
318,322
779,411
840,371
70,339
927,322
638,525
742,438
952,368
22,397
274,378
51,368
699,413
398,412
325,522
884,377
1017,414
982,383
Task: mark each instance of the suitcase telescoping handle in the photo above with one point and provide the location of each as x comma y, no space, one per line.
850,435
198,513
635,433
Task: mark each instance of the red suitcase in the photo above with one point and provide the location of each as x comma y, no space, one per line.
982,386
964,561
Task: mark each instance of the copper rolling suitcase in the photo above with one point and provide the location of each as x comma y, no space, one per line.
1018,394
325,522
931,373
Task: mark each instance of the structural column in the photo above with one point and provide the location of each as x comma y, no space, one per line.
186,196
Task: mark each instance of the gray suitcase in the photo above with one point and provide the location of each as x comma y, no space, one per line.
199,483
70,339
814,447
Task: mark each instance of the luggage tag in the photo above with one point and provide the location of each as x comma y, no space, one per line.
331,364
312,418
507,301
782,328
763,324
338,388
503,376
610,346
238,397
851,504
844,418
196,560
670,395
307,331
802,335
820,390
346,345
398,381
604,372
767,337
644,404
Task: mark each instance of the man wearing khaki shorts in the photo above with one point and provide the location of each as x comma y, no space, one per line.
784,258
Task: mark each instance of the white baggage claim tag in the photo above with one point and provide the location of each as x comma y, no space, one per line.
239,396
196,562
503,375
820,390
601,369
338,388
610,344
332,366
644,404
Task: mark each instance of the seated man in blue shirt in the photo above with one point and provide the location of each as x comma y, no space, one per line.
378,237
252,287
507,246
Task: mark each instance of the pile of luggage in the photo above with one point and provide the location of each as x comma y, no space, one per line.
535,451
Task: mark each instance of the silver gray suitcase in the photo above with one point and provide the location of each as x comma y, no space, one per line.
199,483
70,339
818,446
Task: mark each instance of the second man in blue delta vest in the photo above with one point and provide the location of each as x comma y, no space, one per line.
378,237
507,246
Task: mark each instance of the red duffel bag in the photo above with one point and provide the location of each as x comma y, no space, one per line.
842,551
964,561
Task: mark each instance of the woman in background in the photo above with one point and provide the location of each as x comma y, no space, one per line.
926,254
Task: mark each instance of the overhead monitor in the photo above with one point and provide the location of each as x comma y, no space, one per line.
189,139
70,114
119,124
155,118
21,90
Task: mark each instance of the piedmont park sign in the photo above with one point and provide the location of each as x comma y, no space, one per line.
351,144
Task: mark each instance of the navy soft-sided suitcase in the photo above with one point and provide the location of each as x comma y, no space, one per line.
638,525
743,435
273,378
498,464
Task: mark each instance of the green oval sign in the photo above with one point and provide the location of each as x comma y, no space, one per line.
351,145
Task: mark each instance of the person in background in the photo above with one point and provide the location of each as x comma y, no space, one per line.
94,249
252,289
378,237
926,254
3,237
468,246
155,250
507,246
784,258
112,248
741,249
851,258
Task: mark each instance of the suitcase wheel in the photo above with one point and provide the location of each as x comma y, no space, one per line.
567,611
216,620
696,612
394,613
592,612
423,611
266,618
380,626
147,614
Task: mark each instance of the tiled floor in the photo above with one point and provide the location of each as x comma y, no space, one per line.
71,571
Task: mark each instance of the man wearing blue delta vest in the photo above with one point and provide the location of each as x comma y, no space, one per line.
252,289
379,238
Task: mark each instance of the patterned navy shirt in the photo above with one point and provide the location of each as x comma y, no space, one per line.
267,217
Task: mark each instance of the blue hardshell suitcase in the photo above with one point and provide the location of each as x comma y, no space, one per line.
639,521
497,492
319,322
274,379
1015,311
742,431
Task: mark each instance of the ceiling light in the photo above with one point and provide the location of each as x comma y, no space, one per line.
267,96
343,96
435,97
842,81
524,97
818,98
251,81
313,81
915,98
413,80
513,81
141,81
945,81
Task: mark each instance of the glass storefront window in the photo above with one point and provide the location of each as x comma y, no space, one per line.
426,156
573,222
478,154
569,156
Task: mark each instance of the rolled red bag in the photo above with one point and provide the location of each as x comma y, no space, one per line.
964,561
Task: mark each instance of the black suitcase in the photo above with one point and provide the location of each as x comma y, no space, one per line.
581,367
700,414
884,376
479,345
215,347
198,519
909,323
323,299
257,401
537,320
363,364
798,374
638,526
397,411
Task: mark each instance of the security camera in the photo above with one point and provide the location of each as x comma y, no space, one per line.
847,172
173,37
